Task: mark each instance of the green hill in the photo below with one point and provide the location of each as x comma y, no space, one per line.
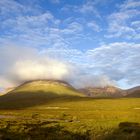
37,92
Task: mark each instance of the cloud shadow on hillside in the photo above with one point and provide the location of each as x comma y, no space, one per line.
23,100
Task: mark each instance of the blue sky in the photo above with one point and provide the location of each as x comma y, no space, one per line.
96,40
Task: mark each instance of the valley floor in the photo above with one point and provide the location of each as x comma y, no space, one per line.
74,119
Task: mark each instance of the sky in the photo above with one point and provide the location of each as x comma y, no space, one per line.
84,42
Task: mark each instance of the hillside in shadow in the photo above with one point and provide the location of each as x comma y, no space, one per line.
23,99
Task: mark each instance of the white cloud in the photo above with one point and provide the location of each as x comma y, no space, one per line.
39,69
87,80
72,28
129,4
19,64
120,22
7,6
86,8
121,31
94,26
105,65
12,7
118,61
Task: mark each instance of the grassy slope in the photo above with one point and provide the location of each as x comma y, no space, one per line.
77,115
36,93
44,86
111,110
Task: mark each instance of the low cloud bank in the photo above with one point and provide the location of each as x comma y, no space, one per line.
20,64
109,64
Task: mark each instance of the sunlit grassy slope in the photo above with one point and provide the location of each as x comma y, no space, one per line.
46,86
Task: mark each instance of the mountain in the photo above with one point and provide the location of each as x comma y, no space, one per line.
111,91
108,91
37,92
133,92
6,91
47,86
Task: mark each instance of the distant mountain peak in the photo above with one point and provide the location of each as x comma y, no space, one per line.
106,91
133,92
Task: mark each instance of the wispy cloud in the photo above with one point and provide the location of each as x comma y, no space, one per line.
94,26
87,8
120,22
118,61
130,4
